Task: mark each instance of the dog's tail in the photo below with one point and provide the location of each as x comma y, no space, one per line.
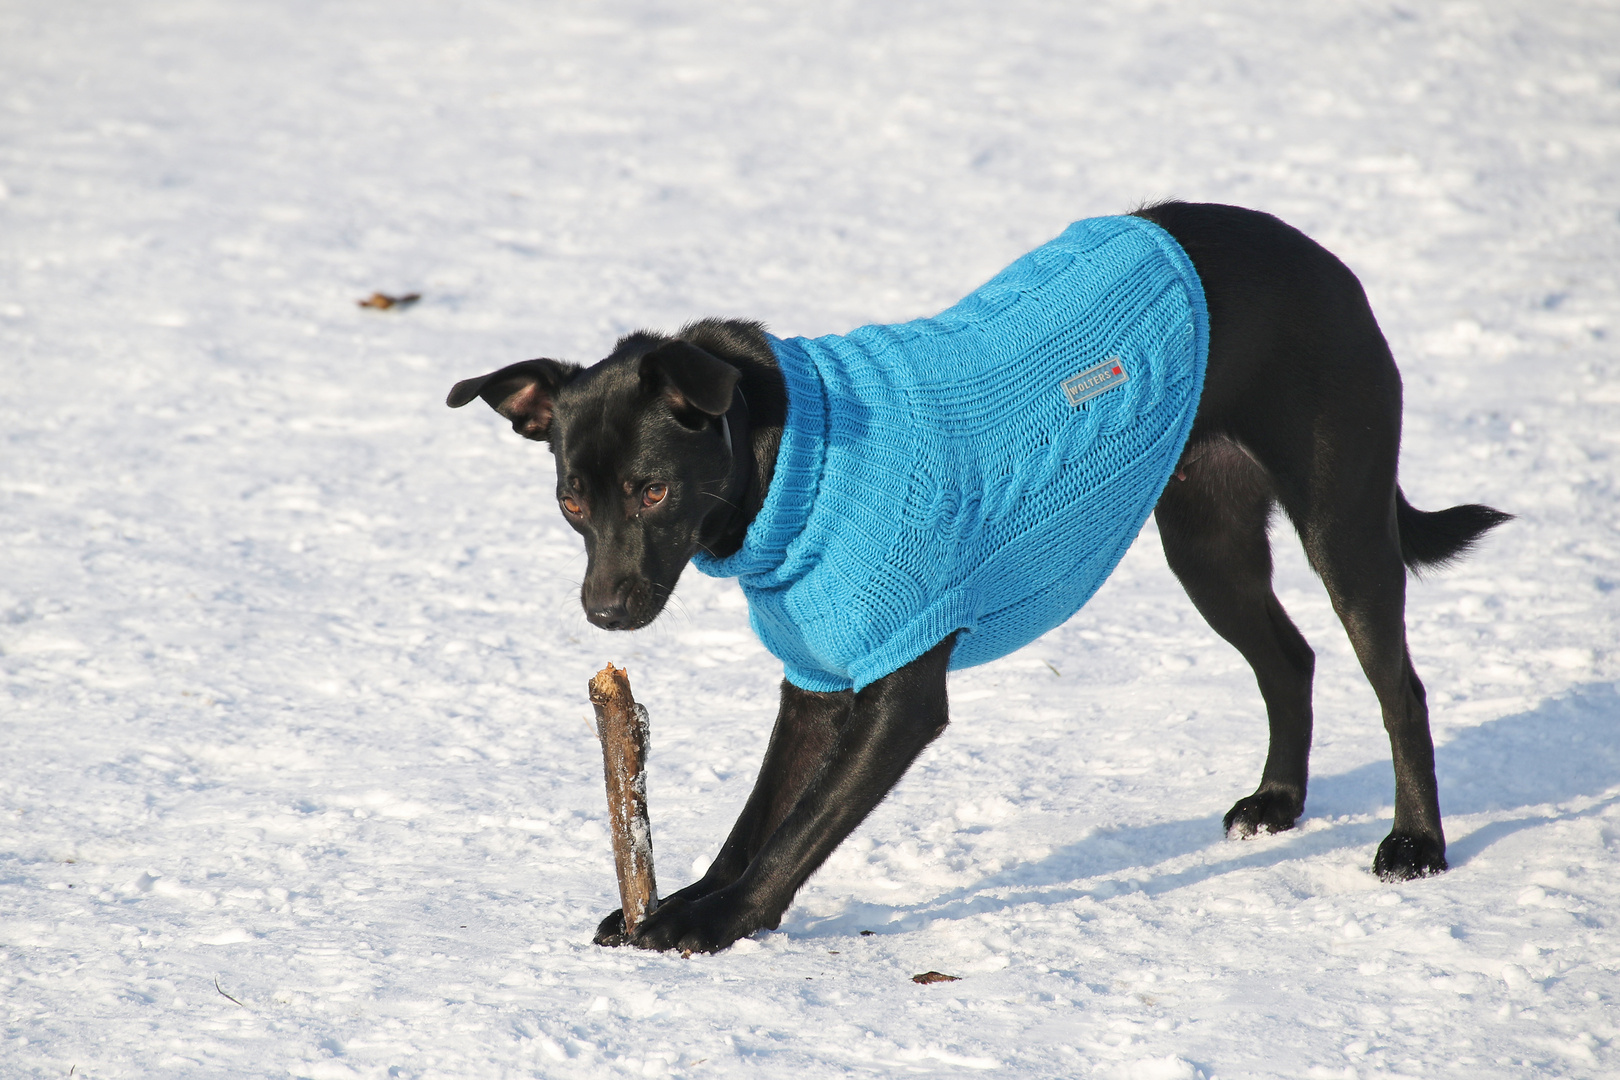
1440,538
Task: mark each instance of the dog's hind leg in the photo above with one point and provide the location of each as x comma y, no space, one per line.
1212,521
1347,508
1353,543
1300,376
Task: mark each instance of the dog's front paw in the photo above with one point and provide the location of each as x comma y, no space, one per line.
1272,811
610,931
707,924
1402,857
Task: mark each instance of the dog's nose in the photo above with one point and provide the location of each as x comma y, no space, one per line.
609,616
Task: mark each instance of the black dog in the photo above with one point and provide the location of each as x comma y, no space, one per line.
668,447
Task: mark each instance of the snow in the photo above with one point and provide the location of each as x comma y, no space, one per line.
293,665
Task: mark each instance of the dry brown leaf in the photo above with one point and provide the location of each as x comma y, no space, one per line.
382,301
935,976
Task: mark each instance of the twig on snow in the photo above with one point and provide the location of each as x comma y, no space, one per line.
226,996
621,724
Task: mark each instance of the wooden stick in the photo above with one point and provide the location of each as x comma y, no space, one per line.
621,724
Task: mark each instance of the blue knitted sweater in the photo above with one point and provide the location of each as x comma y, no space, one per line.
981,471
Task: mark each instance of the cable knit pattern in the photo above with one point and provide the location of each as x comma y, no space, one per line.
935,477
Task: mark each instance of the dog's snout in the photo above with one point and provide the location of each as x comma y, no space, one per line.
618,602
614,616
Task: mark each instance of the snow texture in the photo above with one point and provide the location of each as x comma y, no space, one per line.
292,659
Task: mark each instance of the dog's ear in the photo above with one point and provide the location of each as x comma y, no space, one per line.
690,377
523,393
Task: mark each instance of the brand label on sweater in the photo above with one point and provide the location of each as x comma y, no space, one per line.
1095,380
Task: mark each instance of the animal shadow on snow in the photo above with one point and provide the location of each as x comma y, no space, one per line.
1566,748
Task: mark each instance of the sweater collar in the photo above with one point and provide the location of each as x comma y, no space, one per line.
764,554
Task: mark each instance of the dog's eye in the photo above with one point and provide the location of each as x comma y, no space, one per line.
655,494
571,504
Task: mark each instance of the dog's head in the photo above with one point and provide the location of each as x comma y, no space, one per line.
645,461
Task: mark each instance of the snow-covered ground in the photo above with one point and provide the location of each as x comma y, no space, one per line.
293,666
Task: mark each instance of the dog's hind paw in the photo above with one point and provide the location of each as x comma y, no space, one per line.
1268,811
1402,857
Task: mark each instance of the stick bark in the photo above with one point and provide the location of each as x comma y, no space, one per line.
621,724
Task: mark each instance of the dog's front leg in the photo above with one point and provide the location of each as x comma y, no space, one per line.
888,725
806,731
